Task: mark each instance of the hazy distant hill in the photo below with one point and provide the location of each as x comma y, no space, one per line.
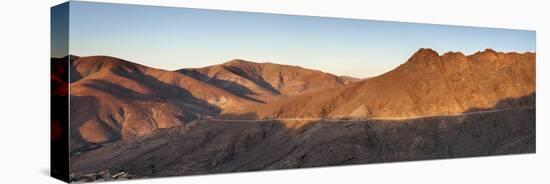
265,82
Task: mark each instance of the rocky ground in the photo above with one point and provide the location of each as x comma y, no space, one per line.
101,176
223,146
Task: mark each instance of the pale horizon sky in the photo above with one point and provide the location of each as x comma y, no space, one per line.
175,38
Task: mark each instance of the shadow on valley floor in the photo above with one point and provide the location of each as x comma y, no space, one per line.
507,103
210,146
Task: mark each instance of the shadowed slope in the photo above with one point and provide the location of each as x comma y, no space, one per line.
265,82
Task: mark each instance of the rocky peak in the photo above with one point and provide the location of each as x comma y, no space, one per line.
486,55
488,50
424,55
423,59
426,52
453,57
453,54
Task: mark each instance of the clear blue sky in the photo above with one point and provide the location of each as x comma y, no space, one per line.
174,38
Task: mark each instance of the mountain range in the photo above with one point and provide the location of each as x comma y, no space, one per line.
127,109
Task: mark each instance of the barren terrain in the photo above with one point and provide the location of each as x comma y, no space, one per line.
133,121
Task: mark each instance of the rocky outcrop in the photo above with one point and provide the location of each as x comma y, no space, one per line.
100,176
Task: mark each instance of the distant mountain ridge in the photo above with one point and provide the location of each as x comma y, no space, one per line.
265,82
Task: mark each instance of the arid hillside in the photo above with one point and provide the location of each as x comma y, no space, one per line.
114,99
427,84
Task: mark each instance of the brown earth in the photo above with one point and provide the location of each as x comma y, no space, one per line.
113,99
427,84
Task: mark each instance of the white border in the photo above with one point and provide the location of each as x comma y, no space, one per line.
25,39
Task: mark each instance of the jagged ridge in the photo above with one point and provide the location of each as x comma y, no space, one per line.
427,84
